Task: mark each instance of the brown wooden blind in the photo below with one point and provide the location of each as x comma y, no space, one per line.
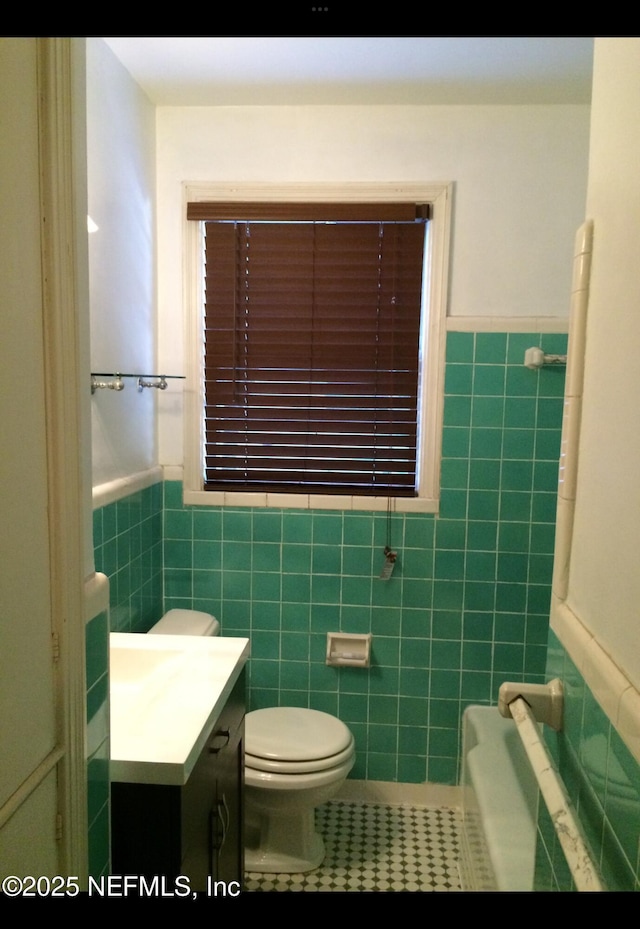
312,333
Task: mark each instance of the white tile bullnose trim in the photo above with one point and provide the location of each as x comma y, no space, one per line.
111,491
613,690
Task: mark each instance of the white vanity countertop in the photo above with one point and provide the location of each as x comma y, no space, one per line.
166,694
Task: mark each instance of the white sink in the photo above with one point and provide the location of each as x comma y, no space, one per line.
166,693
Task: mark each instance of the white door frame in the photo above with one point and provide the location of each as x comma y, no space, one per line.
61,83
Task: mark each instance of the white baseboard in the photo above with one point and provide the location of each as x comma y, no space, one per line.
394,793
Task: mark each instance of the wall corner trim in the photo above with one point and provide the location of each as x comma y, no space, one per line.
618,697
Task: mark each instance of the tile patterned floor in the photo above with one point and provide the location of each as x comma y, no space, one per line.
378,847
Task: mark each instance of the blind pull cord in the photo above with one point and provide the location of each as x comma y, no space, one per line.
390,556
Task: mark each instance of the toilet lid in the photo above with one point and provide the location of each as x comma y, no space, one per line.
186,622
288,733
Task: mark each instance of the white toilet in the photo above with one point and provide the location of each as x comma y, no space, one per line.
295,759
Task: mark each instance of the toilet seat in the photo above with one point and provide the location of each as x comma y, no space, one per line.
276,766
295,739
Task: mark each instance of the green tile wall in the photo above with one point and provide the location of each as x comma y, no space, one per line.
127,538
603,782
128,549
467,606
96,648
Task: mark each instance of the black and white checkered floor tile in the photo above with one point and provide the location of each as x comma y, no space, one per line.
375,847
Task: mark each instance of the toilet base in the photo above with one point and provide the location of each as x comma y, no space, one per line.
282,844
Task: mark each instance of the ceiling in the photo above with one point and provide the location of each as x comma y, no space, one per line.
302,70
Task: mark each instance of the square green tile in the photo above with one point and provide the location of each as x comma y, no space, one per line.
458,379
454,473
450,534
455,442
519,443
446,654
448,594
521,382
486,443
488,411
489,380
296,617
266,585
460,346
296,588
521,412
491,348
453,503
297,527
414,682
236,525
483,505
457,411
267,527
517,475
445,684
449,565
413,711
326,559
266,556
207,554
484,474
357,530
294,647
415,653
207,524
327,529
296,559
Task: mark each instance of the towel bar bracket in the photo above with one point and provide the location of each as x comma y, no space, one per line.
546,700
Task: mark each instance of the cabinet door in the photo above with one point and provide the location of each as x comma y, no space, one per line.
198,802
213,808
227,833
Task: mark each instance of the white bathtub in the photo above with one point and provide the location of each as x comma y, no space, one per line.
500,805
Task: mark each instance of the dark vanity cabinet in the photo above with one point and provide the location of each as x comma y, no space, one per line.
195,829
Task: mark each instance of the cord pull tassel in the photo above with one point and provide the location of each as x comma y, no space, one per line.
389,563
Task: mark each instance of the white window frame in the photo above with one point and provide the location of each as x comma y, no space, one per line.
432,351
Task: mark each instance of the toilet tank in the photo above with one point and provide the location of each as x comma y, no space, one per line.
186,622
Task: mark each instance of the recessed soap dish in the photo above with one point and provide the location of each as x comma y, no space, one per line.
352,649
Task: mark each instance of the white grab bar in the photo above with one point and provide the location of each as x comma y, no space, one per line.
568,829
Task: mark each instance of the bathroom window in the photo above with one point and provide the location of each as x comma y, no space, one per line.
316,368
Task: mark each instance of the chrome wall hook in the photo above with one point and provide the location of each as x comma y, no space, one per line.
143,381
161,383
117,384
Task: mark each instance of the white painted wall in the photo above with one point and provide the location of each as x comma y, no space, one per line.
519,176
121,193
604,580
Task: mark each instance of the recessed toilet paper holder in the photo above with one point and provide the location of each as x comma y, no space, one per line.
351,649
